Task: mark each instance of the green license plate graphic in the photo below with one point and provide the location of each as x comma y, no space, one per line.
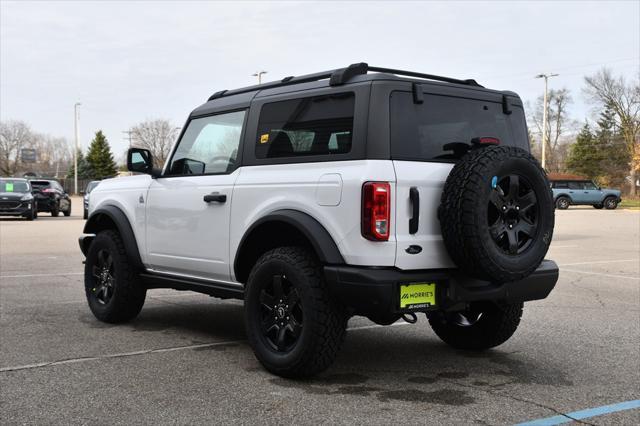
417,295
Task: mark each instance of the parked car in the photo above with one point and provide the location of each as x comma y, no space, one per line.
51,197
16,198
357,191
85,197
583,192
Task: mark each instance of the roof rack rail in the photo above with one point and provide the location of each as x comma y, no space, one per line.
338,77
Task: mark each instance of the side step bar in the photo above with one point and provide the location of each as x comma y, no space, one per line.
212,288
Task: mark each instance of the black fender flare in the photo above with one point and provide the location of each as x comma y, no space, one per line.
108,217
563,195
321,241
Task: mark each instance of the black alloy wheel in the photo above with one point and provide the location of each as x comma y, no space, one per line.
281,310
103,273
513,214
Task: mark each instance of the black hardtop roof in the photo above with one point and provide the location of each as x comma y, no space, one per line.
354,73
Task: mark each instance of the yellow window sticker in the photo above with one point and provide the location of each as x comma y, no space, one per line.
418,295
264,138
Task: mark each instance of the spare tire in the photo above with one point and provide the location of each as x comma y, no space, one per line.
496,213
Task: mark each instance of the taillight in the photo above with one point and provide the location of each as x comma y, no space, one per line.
376,210
48,191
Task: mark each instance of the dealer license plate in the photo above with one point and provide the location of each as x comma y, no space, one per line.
417,295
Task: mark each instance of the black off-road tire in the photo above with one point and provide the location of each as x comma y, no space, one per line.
127,297
31,215
610,203
472,191
494,327
323,320
563,203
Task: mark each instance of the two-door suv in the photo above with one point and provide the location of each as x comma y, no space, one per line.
357,191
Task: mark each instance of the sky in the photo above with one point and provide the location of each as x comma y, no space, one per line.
131,61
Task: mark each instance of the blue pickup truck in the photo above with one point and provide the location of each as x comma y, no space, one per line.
583,192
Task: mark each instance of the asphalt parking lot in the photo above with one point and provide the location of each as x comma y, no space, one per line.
185,360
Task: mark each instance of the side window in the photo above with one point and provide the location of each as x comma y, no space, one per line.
590,186
576,185
209,145
319,125
560,185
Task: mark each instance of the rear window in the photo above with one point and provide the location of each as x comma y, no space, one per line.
319,125
39,184
441,128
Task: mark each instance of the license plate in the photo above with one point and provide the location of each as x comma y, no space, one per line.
417,295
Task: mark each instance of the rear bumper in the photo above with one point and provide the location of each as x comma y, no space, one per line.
375,291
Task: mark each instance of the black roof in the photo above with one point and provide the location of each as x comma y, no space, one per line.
339,77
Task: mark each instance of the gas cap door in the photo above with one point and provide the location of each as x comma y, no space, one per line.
329,189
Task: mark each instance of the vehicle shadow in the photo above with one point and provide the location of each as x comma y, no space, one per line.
390,362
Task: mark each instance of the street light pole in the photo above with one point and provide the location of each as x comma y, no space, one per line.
544,117
75,151
259,75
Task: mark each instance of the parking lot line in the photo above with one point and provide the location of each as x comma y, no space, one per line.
584,414
154,351
626,277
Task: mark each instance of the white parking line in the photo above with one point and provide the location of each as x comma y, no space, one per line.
153,351
600,261
42,275
601,274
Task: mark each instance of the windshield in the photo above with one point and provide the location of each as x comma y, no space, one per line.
14,186
91,185
442,127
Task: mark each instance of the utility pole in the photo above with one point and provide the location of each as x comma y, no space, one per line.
544,117
259,75
128,137
75,151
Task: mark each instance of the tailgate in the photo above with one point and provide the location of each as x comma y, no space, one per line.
423,248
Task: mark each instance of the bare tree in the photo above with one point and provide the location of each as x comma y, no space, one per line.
155,135
605,90
558,125
14,135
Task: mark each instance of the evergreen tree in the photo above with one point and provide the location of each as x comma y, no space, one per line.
614,157
100,158
584,155
84,169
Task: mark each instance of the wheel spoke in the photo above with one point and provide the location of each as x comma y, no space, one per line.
99,292
295,327
277,287
95,271
514,187
108,261
497,230
527,201
281,338
267,300
512,235
496,199
269,323
526,228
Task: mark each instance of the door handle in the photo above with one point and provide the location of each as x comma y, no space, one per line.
215,197
414,222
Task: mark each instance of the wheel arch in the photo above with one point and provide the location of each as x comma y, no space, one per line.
284,227
112,217
565,195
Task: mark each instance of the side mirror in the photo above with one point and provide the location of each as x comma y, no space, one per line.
140,160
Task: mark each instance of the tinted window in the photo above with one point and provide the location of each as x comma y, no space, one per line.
441,128
39,184
209,145
320,125
560,185
576,185
14,186
590,185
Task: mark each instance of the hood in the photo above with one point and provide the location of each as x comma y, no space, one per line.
12,196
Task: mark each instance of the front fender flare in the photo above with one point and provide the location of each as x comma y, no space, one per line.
110,217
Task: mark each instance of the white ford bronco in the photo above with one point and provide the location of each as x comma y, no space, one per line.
357,191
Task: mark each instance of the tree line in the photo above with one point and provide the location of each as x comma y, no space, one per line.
606,149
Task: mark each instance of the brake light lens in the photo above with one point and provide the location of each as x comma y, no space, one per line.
376,210
48,190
